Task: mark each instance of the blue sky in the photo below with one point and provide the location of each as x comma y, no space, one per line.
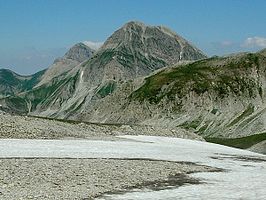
34,32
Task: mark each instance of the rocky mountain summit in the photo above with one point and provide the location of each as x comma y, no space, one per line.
136,50
143,49
79,52
74,83
76,55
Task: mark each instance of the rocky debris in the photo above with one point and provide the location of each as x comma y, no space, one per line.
42,178
12,126
15,126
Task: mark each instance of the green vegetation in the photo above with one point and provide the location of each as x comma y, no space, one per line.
77,122
34,80
60,120
220,75
17,103
242,143
251,118
17,83
106,57
8,77
42,95
191,124
107,89
214,111
46,94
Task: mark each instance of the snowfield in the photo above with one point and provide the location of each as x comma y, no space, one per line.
243,177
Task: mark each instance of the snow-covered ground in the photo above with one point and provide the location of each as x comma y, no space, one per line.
244,177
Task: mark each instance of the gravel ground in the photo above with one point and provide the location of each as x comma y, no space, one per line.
46,178
62,178
23,127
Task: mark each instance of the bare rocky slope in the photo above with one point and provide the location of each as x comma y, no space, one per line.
12,83
26,127
210,96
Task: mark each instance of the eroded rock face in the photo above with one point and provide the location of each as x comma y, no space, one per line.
137,50
148,74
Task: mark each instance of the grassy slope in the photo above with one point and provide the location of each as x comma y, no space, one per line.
219,75
43,95
242,143
18,83
214,74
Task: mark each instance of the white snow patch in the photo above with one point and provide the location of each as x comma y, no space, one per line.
243,179
81,77
181,55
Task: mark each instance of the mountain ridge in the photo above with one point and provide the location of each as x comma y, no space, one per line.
124,56
13,83
142,74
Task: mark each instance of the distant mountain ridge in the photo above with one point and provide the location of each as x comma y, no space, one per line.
12,83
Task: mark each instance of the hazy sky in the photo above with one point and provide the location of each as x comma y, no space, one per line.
34,32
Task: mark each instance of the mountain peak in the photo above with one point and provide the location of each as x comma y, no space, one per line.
79,52
166,30
156,41
136,50
134,23
75,55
